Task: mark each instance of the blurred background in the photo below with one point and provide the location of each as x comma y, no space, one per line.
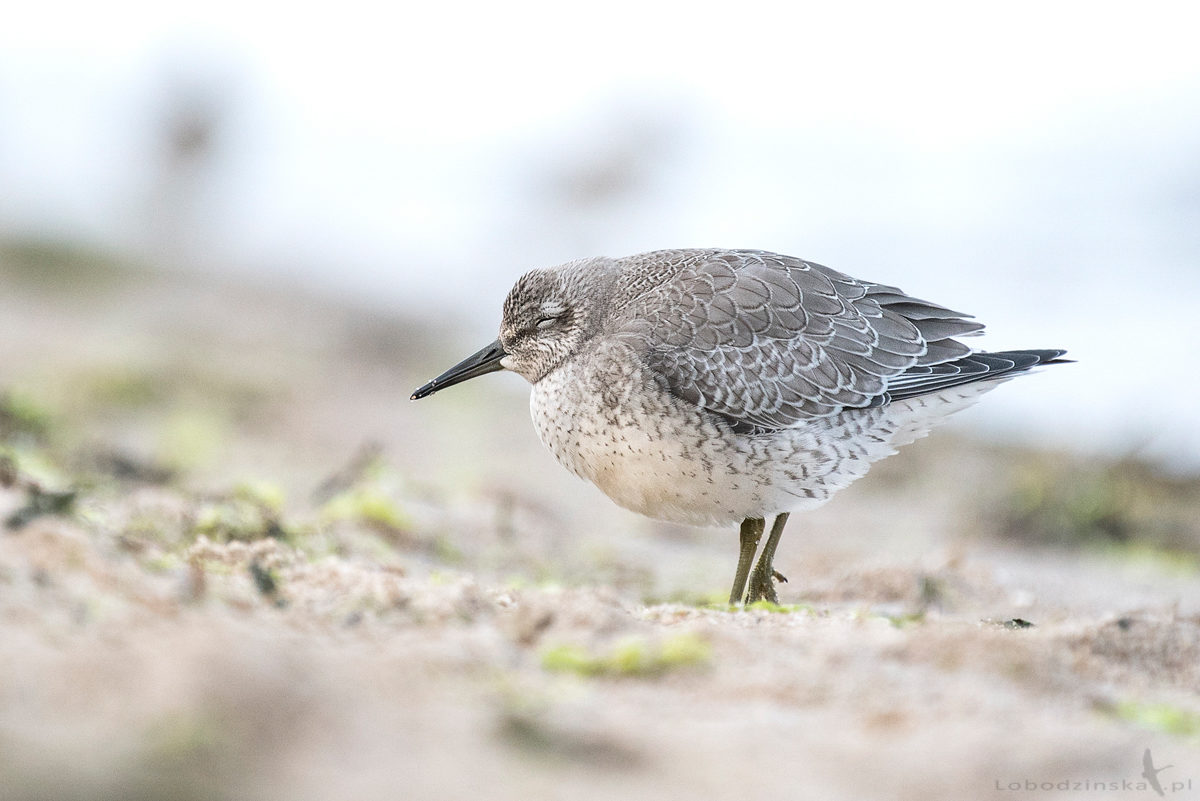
236,562
1037,166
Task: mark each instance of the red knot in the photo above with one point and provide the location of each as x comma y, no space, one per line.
713,387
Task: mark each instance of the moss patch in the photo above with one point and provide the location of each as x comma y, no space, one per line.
22,418
240,517
1160,717
1058,501
633,656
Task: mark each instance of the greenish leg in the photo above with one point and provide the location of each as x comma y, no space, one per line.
751,533
762,584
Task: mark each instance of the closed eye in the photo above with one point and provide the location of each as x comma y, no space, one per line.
546,322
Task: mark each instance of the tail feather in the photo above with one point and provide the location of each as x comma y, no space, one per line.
975,367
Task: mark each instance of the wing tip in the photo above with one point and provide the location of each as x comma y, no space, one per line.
979,366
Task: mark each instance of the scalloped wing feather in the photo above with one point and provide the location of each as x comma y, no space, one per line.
770,341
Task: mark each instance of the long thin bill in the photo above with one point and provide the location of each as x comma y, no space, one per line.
479,363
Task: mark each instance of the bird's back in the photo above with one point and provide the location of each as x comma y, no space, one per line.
770,340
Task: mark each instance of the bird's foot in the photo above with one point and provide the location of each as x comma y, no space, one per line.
764,576
762,587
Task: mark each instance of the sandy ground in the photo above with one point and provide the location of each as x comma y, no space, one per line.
237,564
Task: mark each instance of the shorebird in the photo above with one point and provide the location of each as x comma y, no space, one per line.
712,387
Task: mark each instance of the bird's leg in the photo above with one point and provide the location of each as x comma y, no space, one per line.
751,533
762,584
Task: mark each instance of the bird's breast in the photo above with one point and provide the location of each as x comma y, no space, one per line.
647,450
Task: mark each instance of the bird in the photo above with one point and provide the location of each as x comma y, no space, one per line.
720,387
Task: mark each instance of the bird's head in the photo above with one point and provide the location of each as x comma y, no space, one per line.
549,316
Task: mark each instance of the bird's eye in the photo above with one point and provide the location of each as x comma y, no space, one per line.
546,322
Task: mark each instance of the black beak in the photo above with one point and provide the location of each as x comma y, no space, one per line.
477,364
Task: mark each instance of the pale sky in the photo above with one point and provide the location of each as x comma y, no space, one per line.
1035,163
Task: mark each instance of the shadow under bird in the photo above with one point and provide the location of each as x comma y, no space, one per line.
713,387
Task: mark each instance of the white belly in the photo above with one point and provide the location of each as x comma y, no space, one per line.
657,455
652,454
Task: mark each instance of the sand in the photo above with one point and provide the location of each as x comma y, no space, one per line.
241,565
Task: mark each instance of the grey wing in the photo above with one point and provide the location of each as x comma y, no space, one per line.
769,341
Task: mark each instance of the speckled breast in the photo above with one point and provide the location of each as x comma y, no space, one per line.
656,455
